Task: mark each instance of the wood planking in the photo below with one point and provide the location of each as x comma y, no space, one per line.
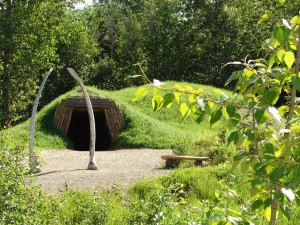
113,114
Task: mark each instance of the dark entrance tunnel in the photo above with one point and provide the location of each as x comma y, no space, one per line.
79,130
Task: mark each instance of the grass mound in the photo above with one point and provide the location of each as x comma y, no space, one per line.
144,127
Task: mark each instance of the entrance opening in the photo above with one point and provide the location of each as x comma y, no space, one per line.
79,130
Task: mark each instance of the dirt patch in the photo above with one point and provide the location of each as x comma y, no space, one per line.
68,168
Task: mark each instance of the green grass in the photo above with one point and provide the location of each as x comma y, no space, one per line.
144,127
196,181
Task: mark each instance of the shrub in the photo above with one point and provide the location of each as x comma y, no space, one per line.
21,201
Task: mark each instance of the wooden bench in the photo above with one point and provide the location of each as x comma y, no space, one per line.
173,160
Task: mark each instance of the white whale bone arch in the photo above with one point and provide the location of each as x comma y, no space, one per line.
33,162
92,164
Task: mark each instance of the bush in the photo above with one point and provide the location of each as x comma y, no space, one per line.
21,201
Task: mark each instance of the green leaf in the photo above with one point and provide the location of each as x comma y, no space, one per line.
296,83
177,97
235,119
271,62
263,18
209,107
255,182
260,116
260,169
280,55
296,20
178,87
168,100
279,195
256,204
230,110
295,129
267,202
157,102
269,148
233,137
225,114
184,110
285,210
215,117
140,93
279,33
199,116
277,173
270,97
192,98
261,165
235,75
289,59
268,213
241,155
282,110
200,91
295,180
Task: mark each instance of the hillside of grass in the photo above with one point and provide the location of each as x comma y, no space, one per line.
143,127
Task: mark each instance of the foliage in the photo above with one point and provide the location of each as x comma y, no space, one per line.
21,202
173,40
90,207
75,48
116,30
268,153
22,25
34,36
178,40
169,200
186,196
210,195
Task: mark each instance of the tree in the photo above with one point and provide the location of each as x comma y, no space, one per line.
178,39
27,47
76,48
117,32
269,151
36,35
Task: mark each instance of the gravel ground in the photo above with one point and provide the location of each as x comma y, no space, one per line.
125,167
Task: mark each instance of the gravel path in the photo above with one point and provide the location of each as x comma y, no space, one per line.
63,168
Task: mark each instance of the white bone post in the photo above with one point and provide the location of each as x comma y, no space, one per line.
92,164
33,161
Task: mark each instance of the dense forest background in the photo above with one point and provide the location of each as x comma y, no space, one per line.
180,40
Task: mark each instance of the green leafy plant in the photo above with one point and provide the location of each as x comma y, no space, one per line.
21,201
268,138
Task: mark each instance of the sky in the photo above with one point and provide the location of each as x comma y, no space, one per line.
82,5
